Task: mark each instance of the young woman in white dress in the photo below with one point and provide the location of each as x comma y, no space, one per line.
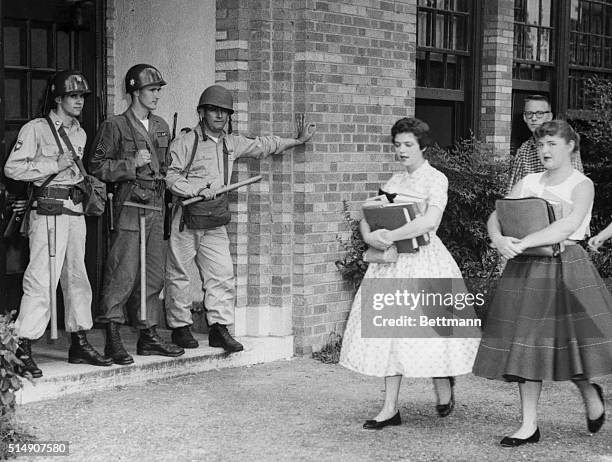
441,358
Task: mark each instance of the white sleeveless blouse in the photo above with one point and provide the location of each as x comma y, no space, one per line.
533,186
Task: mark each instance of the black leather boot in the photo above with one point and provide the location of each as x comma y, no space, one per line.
218,336
114,346
150,343
24,353
82,352
182,337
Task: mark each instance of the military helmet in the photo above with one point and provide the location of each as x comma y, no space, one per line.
142,75
217,96
68,82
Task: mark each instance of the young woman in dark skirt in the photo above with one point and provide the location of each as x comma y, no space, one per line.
551,317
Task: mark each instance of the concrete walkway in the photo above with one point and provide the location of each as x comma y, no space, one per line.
303,410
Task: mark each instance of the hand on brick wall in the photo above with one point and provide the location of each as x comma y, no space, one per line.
305,131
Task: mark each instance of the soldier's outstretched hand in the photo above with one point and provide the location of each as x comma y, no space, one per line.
305,131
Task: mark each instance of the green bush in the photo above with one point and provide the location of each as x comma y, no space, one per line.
11,371
352,267
476,179
595,149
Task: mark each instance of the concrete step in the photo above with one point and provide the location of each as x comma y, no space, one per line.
61,378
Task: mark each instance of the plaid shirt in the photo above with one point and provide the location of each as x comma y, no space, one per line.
526,162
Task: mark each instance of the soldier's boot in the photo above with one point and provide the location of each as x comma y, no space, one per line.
24,353
81,351
114,348
183,337
218,336
150,343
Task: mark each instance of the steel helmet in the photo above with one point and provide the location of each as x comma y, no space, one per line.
142,75
217,96
68,82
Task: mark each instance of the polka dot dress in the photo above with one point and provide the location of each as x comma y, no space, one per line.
411,357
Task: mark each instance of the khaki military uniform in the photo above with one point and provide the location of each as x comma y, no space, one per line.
34,159
208,248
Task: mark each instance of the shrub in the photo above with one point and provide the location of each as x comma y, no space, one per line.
596,146
352,267
11,371
476,179
330,353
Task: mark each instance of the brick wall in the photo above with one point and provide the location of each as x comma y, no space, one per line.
497,53
349,65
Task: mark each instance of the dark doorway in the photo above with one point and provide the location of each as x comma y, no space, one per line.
40,37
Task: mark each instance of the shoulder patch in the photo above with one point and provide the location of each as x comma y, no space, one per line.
18,145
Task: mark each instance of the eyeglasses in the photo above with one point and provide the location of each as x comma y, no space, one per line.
538,114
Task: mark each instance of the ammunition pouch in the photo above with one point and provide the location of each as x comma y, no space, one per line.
48,206
207,214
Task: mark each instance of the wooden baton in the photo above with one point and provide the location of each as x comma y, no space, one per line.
225,189
142,227
51,233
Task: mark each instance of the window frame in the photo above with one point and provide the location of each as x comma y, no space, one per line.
466,99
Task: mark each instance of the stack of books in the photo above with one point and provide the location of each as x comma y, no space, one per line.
379,213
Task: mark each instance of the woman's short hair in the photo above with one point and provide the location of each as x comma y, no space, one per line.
561,129
417,127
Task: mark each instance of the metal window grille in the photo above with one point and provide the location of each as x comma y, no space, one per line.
590,53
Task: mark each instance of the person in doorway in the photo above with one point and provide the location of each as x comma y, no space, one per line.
130,151
39,157
536,111
201,163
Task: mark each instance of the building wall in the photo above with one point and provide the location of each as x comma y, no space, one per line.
176,37
497,54
350,67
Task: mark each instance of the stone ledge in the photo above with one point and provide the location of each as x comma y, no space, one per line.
61,378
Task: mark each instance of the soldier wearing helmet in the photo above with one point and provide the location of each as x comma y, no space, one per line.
130,151
202,162
39,158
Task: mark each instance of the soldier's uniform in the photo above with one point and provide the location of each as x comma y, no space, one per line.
115,150
206,243
34,158
113,161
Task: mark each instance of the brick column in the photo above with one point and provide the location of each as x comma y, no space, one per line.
232,71
351,69
355,66
497,53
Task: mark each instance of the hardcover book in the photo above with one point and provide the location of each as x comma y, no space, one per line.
521,217
380,214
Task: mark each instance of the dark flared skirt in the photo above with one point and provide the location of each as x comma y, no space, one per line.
550,319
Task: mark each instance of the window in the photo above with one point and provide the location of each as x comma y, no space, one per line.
442,43
533,40
446,41
590,51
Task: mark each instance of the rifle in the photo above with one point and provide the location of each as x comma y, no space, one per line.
168,198
19,221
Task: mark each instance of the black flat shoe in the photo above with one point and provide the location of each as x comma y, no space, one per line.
509,442
594,425
444,410
376,425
